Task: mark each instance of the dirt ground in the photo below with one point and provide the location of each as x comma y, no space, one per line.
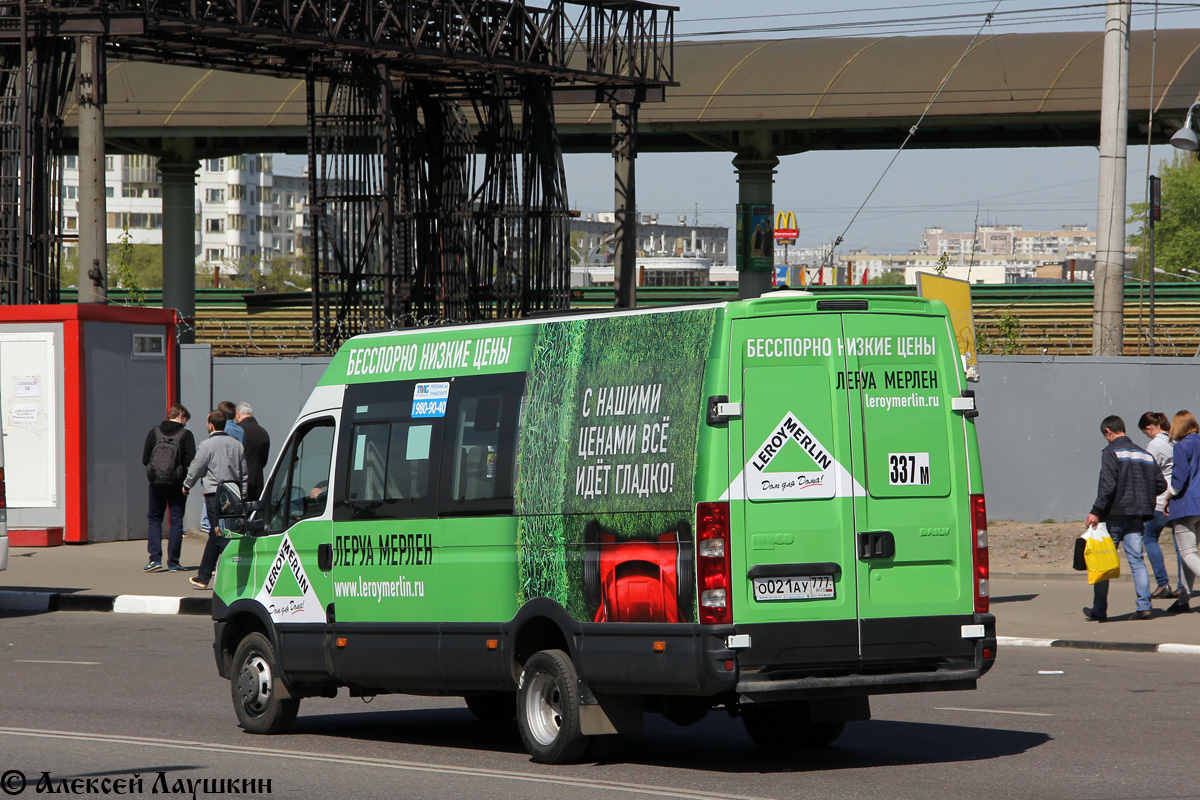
1045,546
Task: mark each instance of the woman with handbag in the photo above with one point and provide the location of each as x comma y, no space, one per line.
1184,505
1154,424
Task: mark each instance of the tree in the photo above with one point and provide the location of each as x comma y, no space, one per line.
1177,234
275,273
891,277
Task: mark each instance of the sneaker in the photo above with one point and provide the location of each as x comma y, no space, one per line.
174,568
1089,616
1141,615
197,583
153,566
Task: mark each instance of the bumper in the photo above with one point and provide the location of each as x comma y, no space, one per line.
883,656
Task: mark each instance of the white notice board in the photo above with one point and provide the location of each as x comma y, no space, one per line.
28,403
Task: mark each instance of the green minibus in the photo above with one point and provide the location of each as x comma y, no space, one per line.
772,507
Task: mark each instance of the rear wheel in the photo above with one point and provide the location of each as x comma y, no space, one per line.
255,670
823,734
492,707
548,709
776,725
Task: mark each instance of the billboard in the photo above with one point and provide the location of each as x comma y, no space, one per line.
755,238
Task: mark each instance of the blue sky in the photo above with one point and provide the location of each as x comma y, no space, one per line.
1034,187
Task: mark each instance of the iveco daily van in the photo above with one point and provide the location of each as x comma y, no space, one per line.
772,507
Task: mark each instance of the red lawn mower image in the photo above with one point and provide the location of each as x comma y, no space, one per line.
636,580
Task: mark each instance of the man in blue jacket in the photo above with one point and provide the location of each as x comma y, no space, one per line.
1130,480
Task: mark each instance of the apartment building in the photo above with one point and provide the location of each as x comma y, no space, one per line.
1069,241
669,253
244,209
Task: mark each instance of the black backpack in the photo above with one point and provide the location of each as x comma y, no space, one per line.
166,459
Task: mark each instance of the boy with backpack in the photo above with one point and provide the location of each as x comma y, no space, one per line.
169,450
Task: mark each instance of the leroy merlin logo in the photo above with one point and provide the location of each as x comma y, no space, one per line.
757,481
287,593
288,558
790,429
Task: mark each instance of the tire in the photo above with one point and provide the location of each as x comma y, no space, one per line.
591,566
781,725
823,734
548,709
777,725
252,683
492,708
685,572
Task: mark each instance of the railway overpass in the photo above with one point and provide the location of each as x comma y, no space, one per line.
757,100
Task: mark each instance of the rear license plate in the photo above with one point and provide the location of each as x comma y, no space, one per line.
810,587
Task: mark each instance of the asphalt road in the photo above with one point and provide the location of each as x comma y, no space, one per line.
110,695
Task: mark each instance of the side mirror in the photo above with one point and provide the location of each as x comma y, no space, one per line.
231,509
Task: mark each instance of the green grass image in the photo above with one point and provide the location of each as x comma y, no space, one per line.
569,359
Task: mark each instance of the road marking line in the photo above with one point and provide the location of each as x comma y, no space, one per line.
40,661
1019,641
365,761
1051,672
996,711
145,604
1187,649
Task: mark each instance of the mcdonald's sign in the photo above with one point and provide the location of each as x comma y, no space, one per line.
785,228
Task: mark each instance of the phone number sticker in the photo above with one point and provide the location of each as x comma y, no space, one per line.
429,399
908,469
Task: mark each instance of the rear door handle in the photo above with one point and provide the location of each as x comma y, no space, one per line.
876,544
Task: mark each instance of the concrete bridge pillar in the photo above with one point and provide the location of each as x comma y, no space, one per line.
755,185
179,241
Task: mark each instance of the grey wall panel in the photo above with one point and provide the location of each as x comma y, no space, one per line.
276,387
195,392
125,396
56,517
1039,425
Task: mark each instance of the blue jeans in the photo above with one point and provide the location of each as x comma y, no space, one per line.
216,543
1126,532
1154,552
162,499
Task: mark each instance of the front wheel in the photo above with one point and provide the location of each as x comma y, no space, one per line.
255,670
548,708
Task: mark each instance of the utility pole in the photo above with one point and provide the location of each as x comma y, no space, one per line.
1109,291
1155,216
93,222
624,152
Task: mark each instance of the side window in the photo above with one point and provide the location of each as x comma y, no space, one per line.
387,457
480,452
389,462
299,489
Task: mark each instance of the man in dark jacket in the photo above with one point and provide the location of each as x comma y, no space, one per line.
1130,480
176,447
257,445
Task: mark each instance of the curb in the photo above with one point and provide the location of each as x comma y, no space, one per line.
120,604
1083,644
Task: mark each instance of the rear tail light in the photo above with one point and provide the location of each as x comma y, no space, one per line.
979,553
2,501
712,563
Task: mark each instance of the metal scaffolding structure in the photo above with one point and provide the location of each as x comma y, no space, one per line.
437,189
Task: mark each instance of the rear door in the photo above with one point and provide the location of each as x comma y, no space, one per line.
912,525
792,457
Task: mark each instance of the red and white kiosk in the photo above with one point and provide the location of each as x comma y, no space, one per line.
80,385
